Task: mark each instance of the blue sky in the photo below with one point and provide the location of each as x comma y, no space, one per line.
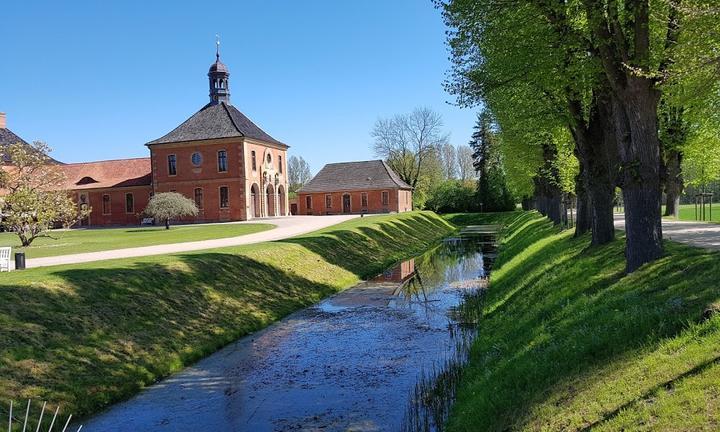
98,79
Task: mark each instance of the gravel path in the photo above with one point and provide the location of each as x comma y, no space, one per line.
286,227
698,234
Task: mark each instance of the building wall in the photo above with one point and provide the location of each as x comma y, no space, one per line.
117,214
239,177
399,201
206,176
263,175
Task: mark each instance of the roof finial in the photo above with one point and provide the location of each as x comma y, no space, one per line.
217,47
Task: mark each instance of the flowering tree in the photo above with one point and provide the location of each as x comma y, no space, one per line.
35,199
170,205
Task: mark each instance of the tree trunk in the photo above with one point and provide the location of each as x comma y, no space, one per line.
640,152
674,184
596,148
167,223
583,222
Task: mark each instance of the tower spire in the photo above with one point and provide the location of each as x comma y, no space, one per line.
219,78
217,47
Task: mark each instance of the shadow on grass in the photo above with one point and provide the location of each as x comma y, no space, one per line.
364,251
560,310
88,337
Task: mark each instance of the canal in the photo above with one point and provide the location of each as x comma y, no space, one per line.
351,362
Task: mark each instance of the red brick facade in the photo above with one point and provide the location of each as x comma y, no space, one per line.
116,206
355,202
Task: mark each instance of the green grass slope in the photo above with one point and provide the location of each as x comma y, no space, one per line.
65,242
569,342
89,335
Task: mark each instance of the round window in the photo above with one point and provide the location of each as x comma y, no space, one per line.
196,159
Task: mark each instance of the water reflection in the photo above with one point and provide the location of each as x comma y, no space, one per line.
347,363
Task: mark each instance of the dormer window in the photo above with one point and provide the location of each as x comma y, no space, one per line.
86,180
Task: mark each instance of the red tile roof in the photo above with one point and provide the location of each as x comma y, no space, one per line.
108,174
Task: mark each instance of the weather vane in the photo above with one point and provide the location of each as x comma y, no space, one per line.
217,46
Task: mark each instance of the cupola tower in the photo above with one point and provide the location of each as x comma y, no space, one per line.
219,79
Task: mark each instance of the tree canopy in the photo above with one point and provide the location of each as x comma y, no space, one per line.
166,206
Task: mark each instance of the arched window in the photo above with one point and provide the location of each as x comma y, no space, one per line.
253,160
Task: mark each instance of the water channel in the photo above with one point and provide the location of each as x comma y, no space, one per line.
351,362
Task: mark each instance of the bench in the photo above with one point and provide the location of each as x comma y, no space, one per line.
5,258
147,221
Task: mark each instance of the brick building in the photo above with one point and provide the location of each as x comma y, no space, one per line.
222,160
218,157
355,187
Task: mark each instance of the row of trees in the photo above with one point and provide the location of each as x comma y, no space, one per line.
590,95
445,177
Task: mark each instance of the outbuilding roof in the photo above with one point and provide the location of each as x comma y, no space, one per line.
219,120
346,176
108,174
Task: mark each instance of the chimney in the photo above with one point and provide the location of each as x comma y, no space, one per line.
3,121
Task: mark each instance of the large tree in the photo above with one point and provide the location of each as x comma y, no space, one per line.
492,190
298,173
595,66
448,156
466,170
408,141
36,199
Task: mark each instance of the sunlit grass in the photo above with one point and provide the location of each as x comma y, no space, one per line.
569,342
87,335
64,242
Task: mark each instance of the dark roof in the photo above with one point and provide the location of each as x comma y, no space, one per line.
7,138
219,120
344,176
218,66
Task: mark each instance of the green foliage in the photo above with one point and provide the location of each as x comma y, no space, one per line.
167,206
92,334
492,191
701,163
36,199
568,341
453,196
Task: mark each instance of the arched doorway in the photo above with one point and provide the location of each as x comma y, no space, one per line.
255,201
270,200
281,199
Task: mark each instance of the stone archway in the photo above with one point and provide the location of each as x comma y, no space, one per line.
270,200
281,200
255,211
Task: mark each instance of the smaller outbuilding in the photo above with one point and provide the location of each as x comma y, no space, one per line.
355,187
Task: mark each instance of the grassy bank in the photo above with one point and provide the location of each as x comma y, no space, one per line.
89,335
65,242
569,342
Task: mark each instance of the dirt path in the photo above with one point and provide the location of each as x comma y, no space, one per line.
698,234
286,227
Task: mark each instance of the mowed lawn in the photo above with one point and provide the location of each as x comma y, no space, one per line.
568,341
87,335
65,242
687,212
